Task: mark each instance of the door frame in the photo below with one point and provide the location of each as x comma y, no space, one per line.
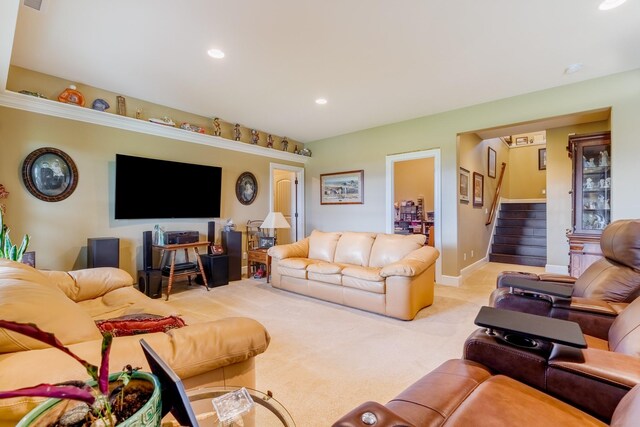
391,159
299,171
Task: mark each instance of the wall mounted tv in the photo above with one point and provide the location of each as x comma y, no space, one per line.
151,188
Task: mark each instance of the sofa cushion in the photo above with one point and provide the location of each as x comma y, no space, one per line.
389,248
334,279
364,285
366,273
136,324
325,268
47,307
354,248
322,246
296,263
126,301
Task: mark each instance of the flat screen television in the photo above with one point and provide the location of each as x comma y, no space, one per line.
151,188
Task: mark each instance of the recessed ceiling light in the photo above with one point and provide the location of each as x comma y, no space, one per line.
610,4
321,101
215,53
573,68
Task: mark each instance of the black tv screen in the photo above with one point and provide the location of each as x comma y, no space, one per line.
152,188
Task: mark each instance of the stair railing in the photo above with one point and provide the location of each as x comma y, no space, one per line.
496,197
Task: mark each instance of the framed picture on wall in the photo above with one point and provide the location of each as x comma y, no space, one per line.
491,163
342,188
542,159
464,185
478,189
50,174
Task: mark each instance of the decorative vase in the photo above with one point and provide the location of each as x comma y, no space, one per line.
148,416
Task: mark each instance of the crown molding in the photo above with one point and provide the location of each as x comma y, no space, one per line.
73,112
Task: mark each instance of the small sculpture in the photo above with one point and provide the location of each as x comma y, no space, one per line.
139,113
606,204
590,163
166,121
599,223
255,137
236,132
269,141
601,183
589,184
285,144
122,105
217,131
607,183
604,158
100,105
71,96
191,128
305,152
31,93
295,149
600,202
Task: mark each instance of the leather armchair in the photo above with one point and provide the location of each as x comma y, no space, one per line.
465,393
595,298
594,379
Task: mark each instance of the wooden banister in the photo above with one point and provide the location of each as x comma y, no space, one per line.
496,197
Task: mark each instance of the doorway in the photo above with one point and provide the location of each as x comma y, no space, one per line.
394,162
287,196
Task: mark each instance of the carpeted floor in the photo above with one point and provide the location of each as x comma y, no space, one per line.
324,359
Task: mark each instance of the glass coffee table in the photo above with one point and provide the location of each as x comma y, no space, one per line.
266,412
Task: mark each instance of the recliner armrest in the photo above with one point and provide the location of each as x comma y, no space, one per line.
383,416
595,317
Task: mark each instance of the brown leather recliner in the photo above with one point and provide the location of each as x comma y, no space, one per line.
594,378
465,393
595,298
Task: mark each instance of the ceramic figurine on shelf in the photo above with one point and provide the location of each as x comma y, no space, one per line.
604,158
601,183
591,163
255,137
589,184
295,149
285,144
606,204
269,141
236,132
600,202
71,96
100,105
217,130
139,113
166,121
599,223
607,183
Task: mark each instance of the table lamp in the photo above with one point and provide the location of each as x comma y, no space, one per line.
275,220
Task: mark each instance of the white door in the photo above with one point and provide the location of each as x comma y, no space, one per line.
287,197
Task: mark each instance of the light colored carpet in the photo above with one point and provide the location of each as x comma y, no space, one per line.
324,359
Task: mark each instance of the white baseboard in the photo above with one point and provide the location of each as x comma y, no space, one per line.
473,267
450,280
556,269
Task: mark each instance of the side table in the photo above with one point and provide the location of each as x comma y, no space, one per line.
189,268
258,256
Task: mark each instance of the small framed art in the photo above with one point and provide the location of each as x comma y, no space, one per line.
478,189
542,159
49,174
342,188
464,185
491,163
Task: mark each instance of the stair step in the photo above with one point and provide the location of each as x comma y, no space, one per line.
540,251
523,206
522,222
521,231
520,240
519,259
511,214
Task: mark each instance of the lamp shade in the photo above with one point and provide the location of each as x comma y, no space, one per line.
275,220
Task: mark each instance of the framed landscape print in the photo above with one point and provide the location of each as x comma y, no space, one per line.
478,189
491,163
342,188
464,185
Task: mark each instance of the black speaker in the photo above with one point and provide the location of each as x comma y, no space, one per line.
216,269
150,283
147,250
103,252
232,243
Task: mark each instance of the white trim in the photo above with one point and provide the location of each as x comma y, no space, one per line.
449,280
299,171
556,269
88,115
473,267
391,159
493,227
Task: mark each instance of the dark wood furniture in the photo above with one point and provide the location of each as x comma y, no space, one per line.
184,269
258,256
591,196
232,244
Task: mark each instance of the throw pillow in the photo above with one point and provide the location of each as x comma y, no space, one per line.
136,324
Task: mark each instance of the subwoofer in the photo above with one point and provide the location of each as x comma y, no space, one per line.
150,283
103,252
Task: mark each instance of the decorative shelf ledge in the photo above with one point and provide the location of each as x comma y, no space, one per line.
73,112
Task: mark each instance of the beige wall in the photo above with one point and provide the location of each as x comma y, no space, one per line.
367,150
413,179
526,181
60,230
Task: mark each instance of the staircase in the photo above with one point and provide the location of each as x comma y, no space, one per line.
521,234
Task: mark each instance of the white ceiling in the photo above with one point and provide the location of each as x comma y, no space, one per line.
376,61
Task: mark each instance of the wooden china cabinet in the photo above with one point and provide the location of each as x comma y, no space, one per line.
591,198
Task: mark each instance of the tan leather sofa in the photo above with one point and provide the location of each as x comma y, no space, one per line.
383,273
205,352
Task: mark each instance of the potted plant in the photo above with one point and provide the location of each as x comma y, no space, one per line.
7,249
126,398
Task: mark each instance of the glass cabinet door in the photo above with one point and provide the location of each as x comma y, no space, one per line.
592,186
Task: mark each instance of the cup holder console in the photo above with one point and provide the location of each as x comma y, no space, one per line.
520,340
